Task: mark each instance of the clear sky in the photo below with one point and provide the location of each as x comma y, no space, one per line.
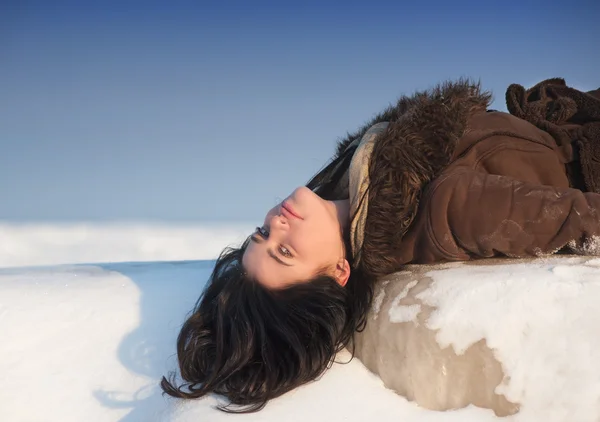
214,110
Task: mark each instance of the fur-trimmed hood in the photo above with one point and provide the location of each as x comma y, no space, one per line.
419,142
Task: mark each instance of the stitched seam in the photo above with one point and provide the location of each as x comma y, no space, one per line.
429,228
498,148
504,134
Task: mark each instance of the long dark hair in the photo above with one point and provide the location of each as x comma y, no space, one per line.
252,344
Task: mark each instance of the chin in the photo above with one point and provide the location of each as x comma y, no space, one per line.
304,200
302,194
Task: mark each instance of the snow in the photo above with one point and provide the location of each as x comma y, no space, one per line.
90,342
404,313
378,299
541,319
28,244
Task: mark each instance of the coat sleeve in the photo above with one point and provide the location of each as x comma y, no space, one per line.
487,215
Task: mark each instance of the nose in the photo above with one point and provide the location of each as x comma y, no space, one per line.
278,222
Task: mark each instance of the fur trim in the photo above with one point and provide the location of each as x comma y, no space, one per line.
326,182
418,144
390,114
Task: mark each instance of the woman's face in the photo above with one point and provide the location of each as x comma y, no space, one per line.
300,238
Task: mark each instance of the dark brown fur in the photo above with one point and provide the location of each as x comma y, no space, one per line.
418,144
390,114
570,116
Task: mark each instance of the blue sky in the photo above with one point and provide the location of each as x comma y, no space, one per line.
213,111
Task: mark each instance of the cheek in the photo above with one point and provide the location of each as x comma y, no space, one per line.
324,240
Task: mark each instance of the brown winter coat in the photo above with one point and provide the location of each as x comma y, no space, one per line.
450,180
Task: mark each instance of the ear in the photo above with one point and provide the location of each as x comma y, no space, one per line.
342,272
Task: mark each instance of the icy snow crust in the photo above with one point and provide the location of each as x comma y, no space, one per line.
91,342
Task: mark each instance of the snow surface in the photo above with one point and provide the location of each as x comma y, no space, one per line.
91,342
29,244
541,318
524,330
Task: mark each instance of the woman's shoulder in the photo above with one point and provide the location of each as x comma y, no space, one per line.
491,123
417,145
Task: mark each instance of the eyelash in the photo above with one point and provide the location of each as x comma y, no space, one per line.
264,233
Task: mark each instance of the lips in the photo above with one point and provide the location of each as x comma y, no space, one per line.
288,211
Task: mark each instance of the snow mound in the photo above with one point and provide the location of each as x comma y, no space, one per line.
519,338
91,342
30,244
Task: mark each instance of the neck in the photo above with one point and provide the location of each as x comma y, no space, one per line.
342,209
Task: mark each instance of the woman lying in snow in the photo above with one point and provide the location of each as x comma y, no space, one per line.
437,177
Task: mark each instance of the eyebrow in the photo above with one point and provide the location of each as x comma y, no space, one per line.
272,254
